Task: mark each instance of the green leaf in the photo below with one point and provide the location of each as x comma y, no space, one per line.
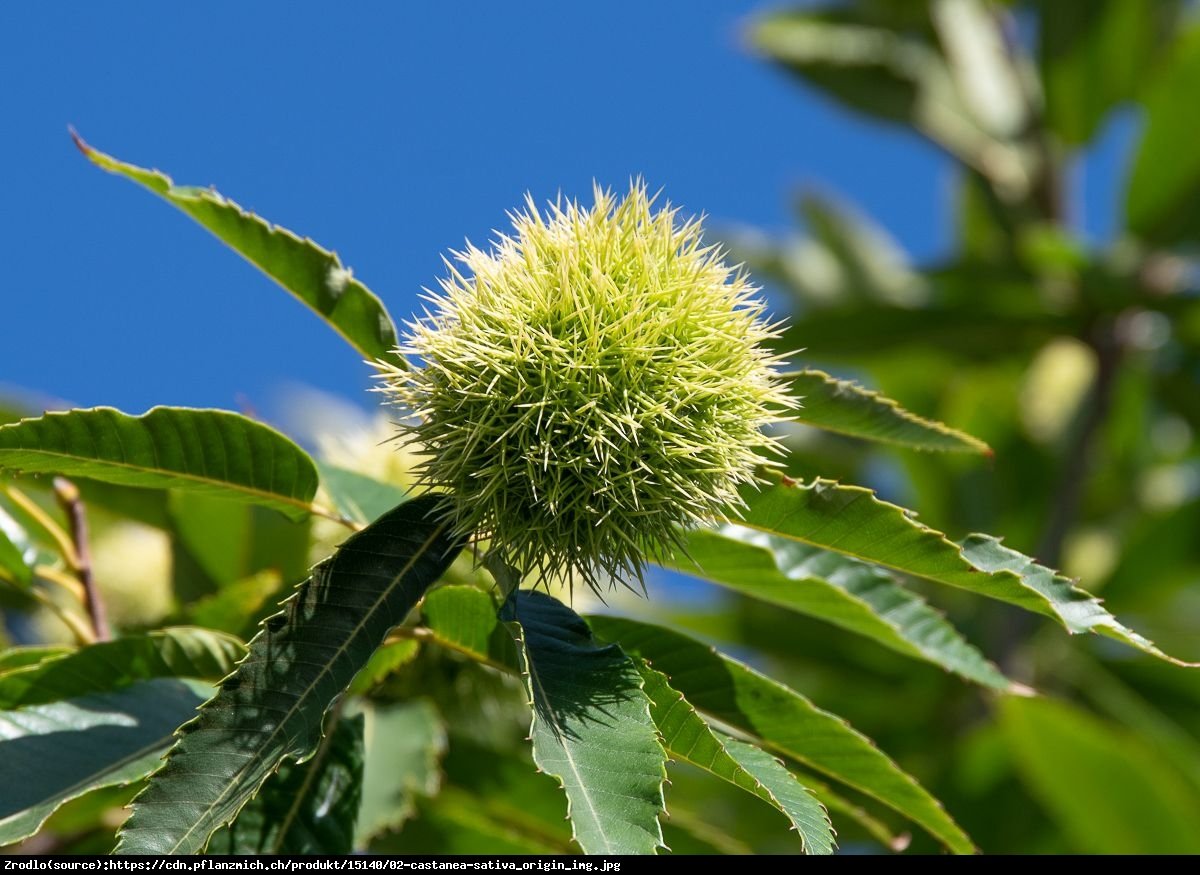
838,804
893,76
811,820
591,727
1094,55
18,553
238,607
308,808
357,496
838,589
1160,202
57,752
384,662
506,786
271,708
405,743
782,720
846,408
209,451
687,737
852,521
25,656
314,275
463,618
1109,791
855,334
179,652
858,261
12,561
454,824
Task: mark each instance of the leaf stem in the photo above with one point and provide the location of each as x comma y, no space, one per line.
68,496
331,514
45,522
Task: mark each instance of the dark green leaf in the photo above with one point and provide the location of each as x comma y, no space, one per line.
846,408
1160,202
782,719
57,752
271,708
852,521
1107,789
405,743
209,451
831,587
687,737
591,727
179,652
314,275
307,808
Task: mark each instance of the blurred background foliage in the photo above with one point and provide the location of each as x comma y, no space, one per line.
1078,364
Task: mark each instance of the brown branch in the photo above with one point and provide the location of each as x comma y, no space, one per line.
72,505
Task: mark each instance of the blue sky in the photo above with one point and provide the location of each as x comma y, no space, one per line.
390,133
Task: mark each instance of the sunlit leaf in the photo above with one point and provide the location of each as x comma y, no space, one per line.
831,587
852,521
314,275
591,727
210,451
686,736
846,408
781,719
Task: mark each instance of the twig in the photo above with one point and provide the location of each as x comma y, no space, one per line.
72,505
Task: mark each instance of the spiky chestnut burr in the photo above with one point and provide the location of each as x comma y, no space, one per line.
593,382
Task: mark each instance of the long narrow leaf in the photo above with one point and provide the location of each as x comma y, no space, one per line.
591,727
847,408
852,521
210,451
271,708
835,588
687,737
782,720
314,275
